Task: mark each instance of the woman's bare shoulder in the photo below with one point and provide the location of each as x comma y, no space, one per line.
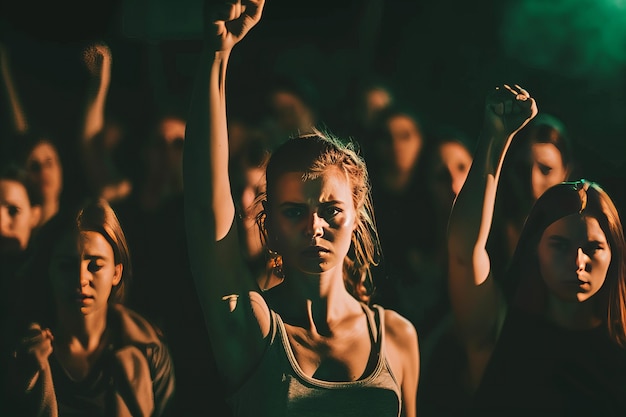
398,327
402,351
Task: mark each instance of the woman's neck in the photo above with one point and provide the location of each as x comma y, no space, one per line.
48,210
573,316
84,329
316,300
78,344
315,286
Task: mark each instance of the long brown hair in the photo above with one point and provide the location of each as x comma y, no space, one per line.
587,199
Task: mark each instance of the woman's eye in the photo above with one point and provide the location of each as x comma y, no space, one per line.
330,211
94,267
545,170
292,212
14,211
591,249
560,246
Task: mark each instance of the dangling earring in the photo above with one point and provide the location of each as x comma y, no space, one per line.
276,263
274,274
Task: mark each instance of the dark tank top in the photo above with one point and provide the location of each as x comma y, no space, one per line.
279,387
540,369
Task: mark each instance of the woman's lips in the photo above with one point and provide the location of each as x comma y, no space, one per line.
314,251
83,298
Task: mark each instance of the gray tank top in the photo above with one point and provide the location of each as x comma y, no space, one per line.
279,387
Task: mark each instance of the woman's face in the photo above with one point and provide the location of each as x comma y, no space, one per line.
44,167
171,135
450,171
547,167
405,143
574,257
311,222
17,217
83,272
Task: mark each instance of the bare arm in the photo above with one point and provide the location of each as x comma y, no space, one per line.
97,58
477,301
225,292
411,375
402,349
98,163
18,117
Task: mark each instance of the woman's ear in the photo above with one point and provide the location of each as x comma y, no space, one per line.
267,214
271,241
117,275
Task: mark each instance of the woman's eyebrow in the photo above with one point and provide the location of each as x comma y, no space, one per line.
93,257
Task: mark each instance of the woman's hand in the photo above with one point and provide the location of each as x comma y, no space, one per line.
508,109
36,346
228,21
97,58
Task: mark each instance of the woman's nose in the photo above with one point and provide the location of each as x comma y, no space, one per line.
315,228
84,275
581,260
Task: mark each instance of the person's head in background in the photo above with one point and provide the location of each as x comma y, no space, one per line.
248,173
448,158
41,158
20,210
550,153
372,96
293,106
162,156
394,145
571,258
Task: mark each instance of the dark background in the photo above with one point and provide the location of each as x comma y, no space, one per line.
441,55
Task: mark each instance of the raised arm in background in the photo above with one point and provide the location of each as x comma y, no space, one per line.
104,178
97,58
477,301
17,117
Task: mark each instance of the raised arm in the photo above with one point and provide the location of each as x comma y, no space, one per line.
225,291
477,301
97,167
18,121
102,174
97,59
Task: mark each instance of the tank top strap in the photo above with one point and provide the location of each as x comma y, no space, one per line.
274,318
375,322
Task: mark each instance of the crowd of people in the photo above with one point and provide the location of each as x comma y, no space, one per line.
213,263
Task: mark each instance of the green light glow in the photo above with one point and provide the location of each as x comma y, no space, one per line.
577,38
